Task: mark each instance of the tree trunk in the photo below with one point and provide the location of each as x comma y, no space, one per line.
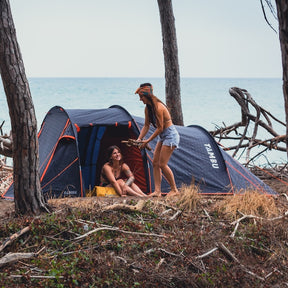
170,50
282,13
27,190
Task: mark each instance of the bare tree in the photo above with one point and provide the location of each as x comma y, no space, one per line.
172,74
282,13
27,189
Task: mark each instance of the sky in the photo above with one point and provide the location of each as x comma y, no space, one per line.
122,38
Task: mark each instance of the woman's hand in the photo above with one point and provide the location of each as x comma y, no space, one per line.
143,144
124,190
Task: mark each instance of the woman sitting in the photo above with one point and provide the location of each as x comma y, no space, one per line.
117,174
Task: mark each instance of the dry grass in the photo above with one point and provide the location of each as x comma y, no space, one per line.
249,203
189,198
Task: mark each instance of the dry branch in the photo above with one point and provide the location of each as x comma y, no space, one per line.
37,276
118,230
13,237
248,119
237,222
14,257
6,145
120,206
207,253
231,256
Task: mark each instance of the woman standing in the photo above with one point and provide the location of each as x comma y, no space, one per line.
117,174
157,114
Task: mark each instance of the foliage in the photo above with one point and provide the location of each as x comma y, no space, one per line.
154,247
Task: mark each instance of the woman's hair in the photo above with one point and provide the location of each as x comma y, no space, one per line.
109,153
148,93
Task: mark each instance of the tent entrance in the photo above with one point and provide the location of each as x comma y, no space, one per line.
93,143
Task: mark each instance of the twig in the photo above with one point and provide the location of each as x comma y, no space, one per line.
205,211
227,252
118,230
231,256
235,230
159,263
13,237
37,276
175,215
285,195
207,253
162,250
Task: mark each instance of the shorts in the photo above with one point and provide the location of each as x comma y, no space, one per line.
170,137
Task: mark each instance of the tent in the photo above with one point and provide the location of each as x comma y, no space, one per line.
73,142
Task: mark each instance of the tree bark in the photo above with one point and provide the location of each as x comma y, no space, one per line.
27,189
170,50
282,13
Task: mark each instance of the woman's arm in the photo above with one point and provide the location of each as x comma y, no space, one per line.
129,175
146,126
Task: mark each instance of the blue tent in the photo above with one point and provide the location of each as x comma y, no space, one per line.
72,146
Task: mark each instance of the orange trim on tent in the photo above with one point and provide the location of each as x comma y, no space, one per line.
53,151
69,137
2,196
232,187
81,182
129,124
61,172
77,127
273,175
253,184
39,133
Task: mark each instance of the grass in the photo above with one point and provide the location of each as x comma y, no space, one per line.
249,203
154,247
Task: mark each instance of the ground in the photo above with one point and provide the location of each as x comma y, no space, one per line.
185,241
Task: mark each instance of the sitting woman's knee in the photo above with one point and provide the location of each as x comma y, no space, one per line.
121,182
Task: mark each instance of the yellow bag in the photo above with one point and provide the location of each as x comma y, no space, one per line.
104,191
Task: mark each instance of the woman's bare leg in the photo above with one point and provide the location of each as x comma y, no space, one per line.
129,190
157,171
165,154
138,190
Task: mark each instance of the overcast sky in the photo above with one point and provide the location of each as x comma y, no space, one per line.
122,38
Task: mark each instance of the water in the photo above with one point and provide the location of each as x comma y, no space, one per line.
205,101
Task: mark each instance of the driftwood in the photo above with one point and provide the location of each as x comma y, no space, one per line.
13,237
120,206
5,143
14,257
249,120
237,222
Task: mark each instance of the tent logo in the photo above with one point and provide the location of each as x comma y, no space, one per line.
212,156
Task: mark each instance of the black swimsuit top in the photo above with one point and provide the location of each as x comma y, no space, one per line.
107,182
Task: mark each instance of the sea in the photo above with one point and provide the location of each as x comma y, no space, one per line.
205,101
